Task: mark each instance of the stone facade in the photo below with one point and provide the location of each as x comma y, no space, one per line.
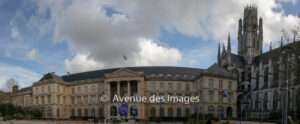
78,94
261,76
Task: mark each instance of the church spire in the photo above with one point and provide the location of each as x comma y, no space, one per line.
228,44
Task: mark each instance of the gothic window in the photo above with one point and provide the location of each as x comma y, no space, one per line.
178,112
265,104
275,100
153,112
170,112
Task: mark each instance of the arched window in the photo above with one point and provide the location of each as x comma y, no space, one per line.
161,112
229,112
79,112
93,112
133,111
275,100
49,112
153,112
265,101
57,113
100,112
73,112
178,112
211,111
113,111
86,112
220,112
187,112
170,112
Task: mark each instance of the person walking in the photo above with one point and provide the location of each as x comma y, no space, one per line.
290,121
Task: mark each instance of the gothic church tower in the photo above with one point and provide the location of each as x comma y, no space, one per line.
250,35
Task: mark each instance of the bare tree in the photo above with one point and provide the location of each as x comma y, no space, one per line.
9,84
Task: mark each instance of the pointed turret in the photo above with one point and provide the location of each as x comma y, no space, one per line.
271,46
219,55
228,44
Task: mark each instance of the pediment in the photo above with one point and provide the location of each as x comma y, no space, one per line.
123,72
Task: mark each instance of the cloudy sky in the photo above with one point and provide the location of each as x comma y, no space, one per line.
41,36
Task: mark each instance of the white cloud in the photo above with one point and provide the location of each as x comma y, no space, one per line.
88,28
24,76
33,54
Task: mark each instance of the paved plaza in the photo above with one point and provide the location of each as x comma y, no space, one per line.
83,122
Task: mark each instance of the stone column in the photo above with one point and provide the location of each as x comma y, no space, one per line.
128,88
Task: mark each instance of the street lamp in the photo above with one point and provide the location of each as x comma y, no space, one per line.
286,51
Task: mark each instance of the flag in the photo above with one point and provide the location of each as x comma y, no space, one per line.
124,57
224,94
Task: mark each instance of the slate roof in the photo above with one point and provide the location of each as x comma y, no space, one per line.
275,53
148,70
26,89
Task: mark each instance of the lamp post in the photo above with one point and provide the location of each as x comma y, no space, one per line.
286,51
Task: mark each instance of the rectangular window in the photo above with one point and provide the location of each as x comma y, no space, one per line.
64,90
58,99
187,87
161,86
79,99
86,89
73,90
49,99
49,89
64,99
92,99
229,85
153,86
36,100
170,87
220,97
100,88
229,98
85,99
36,90
93,88
211,83
179,86
220,84
201,83
73,100
79,90
43,90
58,89
211,96
43,100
